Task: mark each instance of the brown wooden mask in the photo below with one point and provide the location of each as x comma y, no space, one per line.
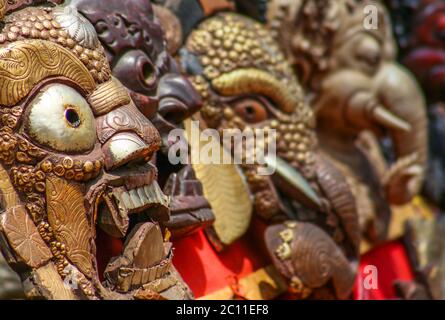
74,152
136,49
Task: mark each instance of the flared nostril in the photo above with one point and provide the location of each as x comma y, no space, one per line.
124,148
177,98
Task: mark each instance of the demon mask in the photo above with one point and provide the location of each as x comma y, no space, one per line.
74,156
137,51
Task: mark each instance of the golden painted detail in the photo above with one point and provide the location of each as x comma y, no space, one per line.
26,63
8,196
27,153
108,96
287,235
284,250
9,118
68,219
239,57
2,8
54,286
27,179
256,81
39,23
72,169
263,284
24,238
8,143
229,42
57,248
226,192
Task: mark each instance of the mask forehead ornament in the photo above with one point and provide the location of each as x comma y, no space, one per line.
74,158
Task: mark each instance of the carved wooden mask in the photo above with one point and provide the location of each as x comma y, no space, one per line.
246,82
74,152
357,85
136,48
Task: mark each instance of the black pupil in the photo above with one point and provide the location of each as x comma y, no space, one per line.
72,117
250,110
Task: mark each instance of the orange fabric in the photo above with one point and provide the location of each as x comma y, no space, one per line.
212,6
207,271
391,260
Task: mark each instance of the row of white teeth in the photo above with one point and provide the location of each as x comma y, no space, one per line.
141,198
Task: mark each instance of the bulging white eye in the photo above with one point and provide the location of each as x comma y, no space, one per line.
62,119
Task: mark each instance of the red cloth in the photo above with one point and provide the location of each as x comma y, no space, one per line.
392,263
207,271
107,247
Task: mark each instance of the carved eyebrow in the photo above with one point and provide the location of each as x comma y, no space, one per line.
245,81
25,63
108,96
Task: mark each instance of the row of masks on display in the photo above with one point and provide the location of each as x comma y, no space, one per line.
92,206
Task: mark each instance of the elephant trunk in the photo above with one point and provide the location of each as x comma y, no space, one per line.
398,93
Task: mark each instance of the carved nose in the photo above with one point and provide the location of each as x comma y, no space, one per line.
178,99
126,147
